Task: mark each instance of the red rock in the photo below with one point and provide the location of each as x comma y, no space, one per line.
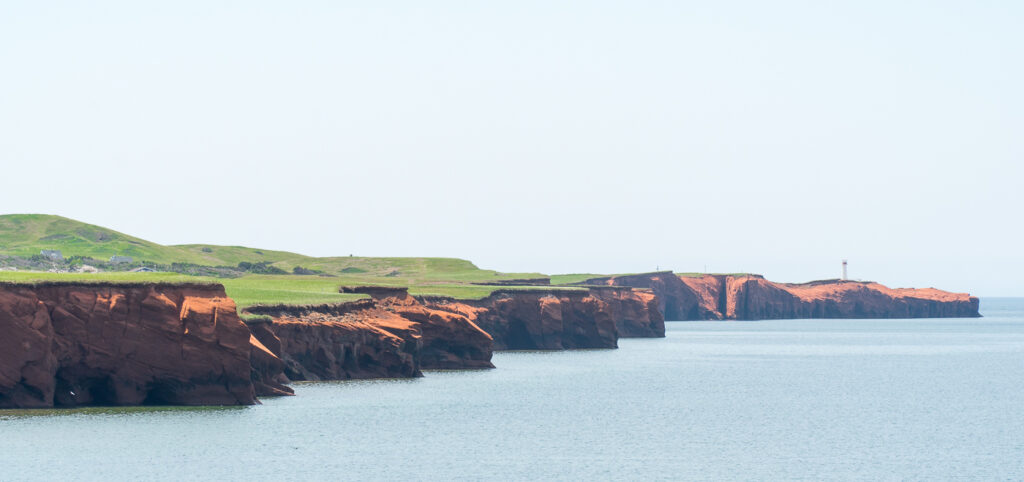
27,360
636,313
752,297
676,300
538,319
325,346
390,336
268,376
70,344
449,340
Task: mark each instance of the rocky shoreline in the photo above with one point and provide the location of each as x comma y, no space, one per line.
71,344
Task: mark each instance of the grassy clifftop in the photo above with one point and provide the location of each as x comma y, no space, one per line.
246,291
25,235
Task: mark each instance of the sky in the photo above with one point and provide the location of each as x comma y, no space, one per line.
548,136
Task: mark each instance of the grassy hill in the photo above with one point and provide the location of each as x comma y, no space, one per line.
426,268
25,235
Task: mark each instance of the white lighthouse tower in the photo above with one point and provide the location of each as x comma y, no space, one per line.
844,270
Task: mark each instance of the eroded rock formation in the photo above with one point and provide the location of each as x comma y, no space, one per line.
751,297
268,371
389,336
636,313
68,344
537,319
676,300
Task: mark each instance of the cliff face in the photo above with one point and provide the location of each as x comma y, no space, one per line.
636,314
68,344
537,320
268,376
709,296
751,297
323,346
559,319
390,336
676,300
449,340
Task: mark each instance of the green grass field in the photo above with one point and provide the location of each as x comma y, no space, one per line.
24,235
568,279
271,289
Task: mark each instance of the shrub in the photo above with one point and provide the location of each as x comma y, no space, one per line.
263,267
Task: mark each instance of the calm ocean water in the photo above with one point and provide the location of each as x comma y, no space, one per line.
793,399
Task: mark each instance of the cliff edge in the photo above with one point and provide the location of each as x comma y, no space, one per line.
391,335
558,319
69,344
751,297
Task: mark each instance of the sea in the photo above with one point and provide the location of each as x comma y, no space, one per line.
921,399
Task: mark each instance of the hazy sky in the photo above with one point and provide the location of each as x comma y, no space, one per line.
772,137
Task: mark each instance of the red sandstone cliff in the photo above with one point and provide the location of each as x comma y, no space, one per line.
676,300
559,319
268,376
317,344
636,313
449,340
538,319
69,344
389,336
751,297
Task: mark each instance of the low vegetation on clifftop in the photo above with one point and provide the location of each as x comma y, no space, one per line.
250,275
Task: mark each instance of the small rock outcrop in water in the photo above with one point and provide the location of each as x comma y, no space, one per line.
751,297
390,336
69,344
538,319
